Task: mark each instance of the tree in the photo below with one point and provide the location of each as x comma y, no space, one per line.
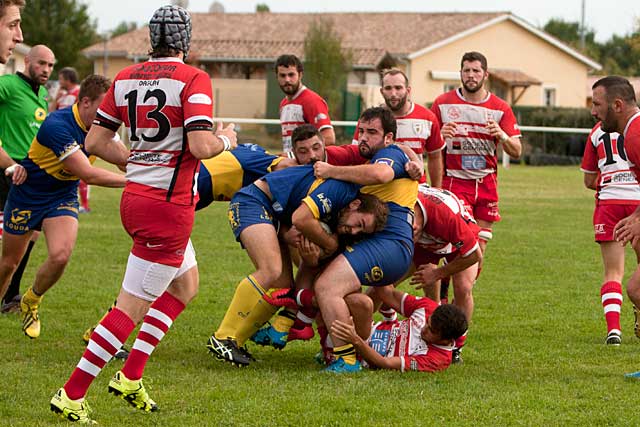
569,32
326,64
262,7
124,27
65,27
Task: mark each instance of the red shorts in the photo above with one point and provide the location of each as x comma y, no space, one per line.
423,256
605,218
160,230
480,196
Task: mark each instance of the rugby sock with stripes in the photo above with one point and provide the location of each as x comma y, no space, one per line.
248,293
305,317
161,315
388,313
106,340
347,352
304,297
461,340
611,295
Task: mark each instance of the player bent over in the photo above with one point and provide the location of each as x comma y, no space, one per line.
47,200
167,108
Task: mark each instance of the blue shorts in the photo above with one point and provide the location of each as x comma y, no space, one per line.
379,261
250,206
24,213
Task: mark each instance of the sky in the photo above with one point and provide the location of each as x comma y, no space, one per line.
605,17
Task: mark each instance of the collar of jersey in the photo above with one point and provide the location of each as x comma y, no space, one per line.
167,59
76,115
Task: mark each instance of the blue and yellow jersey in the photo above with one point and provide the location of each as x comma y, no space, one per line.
223,175
295,185
399,194
61,135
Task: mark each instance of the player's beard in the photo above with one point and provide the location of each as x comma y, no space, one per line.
399,105
290,89
469,89
608,123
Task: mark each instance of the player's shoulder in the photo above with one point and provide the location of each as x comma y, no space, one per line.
447,97
422,112
496,102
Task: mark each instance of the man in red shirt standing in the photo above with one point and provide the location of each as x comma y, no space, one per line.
300,105
473,122
167,108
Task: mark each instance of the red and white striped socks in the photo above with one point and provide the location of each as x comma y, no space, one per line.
155,325
108,337
611,295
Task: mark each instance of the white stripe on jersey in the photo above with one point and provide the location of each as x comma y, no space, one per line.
465,113
171,88
413,129
292,113
153,176
173,141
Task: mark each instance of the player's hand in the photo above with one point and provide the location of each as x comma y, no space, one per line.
496,131
414,169
345,331
282,298
322,170
17,173
448,130
627,229
309,251
426,275
291,235
229,132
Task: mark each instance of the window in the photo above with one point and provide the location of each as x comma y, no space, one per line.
549,97
450,86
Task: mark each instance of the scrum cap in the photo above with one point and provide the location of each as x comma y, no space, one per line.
171,26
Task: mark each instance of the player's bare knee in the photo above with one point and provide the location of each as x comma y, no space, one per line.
359,303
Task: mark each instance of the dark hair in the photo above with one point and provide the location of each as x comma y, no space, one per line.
449,321
474,56
4,4
394,72
372,204
304,132
93,86
288,61
386,118
70,74
616,87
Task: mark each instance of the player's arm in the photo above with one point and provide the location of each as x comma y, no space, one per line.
510,144
328,136
99,141
435,167
369,174
285,163
78,164
591,180
428,274
204,144
305,221
346,331
17,172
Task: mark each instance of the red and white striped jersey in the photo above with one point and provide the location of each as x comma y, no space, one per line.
156,100
448,226
471,153
418,130
604,154
305,106
632,143
402,338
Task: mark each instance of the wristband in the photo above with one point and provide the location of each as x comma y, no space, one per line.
225,140
503,137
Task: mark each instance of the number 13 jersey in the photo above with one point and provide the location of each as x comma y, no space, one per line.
156,100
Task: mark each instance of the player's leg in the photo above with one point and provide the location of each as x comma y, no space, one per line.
611,289
361,309
463,297
11,300
13,248
60,233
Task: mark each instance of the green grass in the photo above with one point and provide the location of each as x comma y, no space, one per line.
535,354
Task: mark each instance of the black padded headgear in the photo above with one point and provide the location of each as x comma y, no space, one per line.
171,26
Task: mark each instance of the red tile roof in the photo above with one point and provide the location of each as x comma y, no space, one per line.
264,36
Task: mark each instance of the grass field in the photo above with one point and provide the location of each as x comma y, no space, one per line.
535,354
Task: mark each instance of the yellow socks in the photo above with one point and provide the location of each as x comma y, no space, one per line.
257,316
247,296
347,352
284,321
31,298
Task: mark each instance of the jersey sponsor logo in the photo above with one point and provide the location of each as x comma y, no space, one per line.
320,117
454,113
598,228
233,215
619,178
474,162
385,161
152,246
69,148
39,114
19,220
379,341
68,206
147,158
200,98
413,364
325,204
